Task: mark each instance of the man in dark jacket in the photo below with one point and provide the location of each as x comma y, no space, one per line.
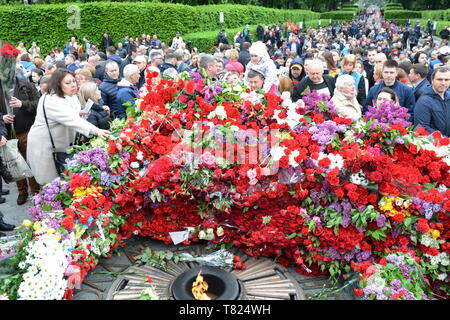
106,42
170,61
244,54
127,91
24,104
404,93
418,77
222,37
132,53
432,111
260,32
110,56
108,88
315,80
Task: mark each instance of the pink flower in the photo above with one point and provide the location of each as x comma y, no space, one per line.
251,174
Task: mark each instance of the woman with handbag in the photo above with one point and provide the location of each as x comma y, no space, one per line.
54,130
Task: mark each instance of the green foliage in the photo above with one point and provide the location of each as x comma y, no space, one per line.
204,41
50,22
338,15
401,14
440,15
153,258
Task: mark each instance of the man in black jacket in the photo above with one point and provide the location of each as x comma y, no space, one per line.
132,53
24,104
106,42
170,61
260,32
418,77
315,80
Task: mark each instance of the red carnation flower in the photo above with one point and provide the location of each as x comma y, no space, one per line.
325,162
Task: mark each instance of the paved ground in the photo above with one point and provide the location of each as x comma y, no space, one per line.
12,213
15,214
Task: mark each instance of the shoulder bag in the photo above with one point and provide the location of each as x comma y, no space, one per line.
59,157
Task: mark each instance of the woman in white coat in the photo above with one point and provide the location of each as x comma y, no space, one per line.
63,109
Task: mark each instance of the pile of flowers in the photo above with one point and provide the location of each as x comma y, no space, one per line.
291,181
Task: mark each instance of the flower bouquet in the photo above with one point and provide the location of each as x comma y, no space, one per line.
8,55
290,181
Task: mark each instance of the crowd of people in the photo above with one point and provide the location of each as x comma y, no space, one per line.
75,92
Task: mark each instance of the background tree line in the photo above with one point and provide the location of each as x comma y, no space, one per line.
314,5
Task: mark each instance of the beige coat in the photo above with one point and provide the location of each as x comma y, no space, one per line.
345,107
64,121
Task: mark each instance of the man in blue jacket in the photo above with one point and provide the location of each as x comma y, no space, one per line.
127,91
432,111
108,88
404,93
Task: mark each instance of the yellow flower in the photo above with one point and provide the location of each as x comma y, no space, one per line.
435,233
36,226
57,236
26,223
50,231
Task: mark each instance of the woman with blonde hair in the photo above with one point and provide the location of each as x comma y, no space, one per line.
82,76
232,62
98,116
348,67
285,85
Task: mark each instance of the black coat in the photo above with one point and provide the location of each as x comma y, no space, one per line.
419,90
108,89
244,57
125,62
3,131
166,66
99,117
106,42
25,115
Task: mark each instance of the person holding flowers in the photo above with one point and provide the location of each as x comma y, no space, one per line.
62,110
18,116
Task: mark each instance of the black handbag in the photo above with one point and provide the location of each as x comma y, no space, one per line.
59,157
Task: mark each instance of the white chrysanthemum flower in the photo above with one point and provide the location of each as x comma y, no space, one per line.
219,112
359,179
44,278
277,152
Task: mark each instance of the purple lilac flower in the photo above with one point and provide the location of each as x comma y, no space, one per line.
95,156
396,284
399,140
381,221
313,99
196,76
388,112
323,133
107,179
